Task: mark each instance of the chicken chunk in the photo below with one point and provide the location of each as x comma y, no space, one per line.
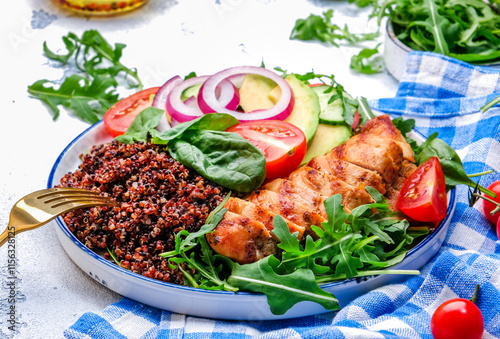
242,239
253,211
348,172
383,127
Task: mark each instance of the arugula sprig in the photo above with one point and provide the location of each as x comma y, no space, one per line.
321,28
89,92
337,91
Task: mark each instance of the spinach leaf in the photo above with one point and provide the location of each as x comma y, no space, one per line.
223,157
451,163
143,125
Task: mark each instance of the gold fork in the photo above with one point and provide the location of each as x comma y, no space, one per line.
40,207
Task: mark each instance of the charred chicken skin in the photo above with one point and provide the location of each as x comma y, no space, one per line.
377,156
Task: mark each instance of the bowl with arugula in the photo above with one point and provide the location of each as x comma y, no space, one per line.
468,31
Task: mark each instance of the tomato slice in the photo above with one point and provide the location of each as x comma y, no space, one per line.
423,196
283,144
119,117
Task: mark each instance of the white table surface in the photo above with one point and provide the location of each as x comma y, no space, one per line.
163,39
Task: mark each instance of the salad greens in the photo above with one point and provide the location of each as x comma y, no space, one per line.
225,158
346,246
468,30
91,92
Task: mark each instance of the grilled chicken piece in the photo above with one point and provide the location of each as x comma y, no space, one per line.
381,155
327,185
248,209
303,194
383,127
348,172
288,208
241,238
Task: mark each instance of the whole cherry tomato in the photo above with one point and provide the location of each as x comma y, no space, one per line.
457,318
498,228
488,206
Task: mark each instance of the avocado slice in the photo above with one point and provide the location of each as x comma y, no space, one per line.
326,138
305,113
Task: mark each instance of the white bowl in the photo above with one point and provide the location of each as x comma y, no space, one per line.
214,304
395,53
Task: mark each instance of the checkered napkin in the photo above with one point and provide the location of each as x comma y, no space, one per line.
443,95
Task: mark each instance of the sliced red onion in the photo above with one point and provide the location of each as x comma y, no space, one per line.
210,103
178,109
160,101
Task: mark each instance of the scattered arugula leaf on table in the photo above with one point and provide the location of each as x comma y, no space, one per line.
321,28
89,93
368,61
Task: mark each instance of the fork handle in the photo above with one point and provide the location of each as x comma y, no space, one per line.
7,234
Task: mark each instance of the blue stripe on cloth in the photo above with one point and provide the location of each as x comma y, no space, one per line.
443,95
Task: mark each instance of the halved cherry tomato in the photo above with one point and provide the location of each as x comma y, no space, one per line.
283,144
488,206
119,117
457,318
423,196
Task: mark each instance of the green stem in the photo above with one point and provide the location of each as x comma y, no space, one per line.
479,174
188,276
476,293
331,278
490,104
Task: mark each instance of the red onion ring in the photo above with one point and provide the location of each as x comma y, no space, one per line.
179,110
160,101
209,103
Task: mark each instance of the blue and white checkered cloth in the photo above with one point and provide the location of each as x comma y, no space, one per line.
443,95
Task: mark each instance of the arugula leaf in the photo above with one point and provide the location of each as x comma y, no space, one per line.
282,291
464,29
88,100
405,127
90,94
321,28
367,61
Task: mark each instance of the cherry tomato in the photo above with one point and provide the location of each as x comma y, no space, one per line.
283,144
498,228
488,206
119,117
457,318
423,196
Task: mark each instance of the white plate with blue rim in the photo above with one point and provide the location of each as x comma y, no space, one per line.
207,303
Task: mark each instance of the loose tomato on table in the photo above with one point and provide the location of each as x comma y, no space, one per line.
283,144
457,318
423,196
488,206
119,117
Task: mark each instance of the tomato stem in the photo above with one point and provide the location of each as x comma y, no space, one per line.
496,209
474,296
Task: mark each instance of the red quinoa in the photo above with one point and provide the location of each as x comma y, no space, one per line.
156,198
